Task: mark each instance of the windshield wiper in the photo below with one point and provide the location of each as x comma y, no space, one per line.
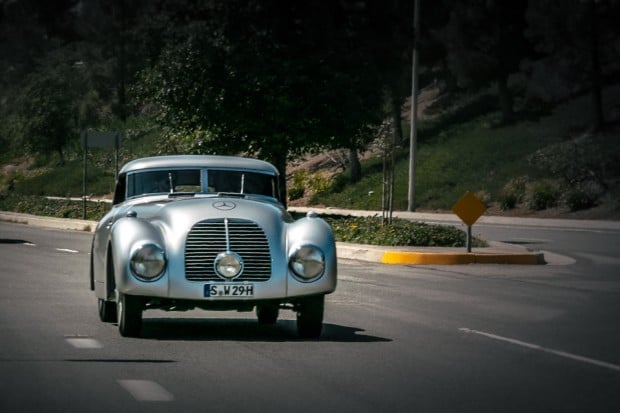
180,194
231,194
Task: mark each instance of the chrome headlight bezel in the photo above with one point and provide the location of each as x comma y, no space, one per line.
307,263
147,261
228,265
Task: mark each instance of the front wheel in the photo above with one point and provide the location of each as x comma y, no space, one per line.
310,317
267,314
107,310
129,312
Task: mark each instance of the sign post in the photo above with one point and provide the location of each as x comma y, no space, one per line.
469,208
91,139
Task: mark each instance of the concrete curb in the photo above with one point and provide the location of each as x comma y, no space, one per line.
496,253
435,258
48,222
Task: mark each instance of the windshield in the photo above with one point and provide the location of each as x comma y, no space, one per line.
200,181
241,182
162,181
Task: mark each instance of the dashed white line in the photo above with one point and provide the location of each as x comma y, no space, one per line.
83,342
537,347
146,390
66,250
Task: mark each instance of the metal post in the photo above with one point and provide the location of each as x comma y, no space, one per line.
84,175
414,107
469,238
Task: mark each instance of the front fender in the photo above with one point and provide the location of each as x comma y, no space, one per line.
313,231
125,235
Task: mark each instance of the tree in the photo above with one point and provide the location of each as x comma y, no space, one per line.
578,39
485,43
267,78
56,99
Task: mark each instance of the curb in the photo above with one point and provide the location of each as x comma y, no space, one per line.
436,258
496,253
48,222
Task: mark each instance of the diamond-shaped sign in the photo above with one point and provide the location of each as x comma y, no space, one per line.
469,208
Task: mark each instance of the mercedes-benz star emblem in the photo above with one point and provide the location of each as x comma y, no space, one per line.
224,205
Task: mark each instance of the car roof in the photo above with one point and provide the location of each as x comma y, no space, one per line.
199,161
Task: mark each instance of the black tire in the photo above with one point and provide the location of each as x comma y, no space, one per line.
310,317
129,313
267,314
107,311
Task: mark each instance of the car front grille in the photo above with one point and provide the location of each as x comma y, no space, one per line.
208,238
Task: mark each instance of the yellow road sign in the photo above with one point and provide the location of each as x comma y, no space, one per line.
469,208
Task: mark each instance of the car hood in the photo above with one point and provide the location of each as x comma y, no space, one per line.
176,215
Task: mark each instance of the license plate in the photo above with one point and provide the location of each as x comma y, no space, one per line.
229,290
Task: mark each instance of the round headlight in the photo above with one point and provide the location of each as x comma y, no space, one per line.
148,261
228,264
307,262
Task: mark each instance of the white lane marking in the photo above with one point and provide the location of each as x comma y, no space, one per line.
146,390
532,346
83,342
30,244
66,250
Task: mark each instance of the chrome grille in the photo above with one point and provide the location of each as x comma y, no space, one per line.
208,238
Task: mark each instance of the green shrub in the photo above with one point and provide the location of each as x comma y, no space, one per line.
543,194
401,232
579,199
298,185
320,184
574,162
513,193
296,192
583,196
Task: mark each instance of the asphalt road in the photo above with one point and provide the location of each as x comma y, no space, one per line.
471,338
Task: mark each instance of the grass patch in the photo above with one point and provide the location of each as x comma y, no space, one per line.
475,155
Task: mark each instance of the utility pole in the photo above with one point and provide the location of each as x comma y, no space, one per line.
413,133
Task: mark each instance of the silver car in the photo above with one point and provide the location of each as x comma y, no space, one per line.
208,232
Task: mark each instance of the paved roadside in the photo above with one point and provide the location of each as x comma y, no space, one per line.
48,222
496,253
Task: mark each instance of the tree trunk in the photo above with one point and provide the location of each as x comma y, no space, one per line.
279,157
395,102
355,168
61,155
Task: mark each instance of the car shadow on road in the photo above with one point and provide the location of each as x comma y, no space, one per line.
218,329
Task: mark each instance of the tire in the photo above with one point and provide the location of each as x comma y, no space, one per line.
129,313
310,317
267,314
107,311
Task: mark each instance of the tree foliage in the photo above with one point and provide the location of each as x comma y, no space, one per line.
270,78
485,43
276,79
579,42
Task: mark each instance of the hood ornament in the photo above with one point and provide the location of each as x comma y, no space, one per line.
224,205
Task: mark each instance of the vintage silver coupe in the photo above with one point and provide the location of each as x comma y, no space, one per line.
208,232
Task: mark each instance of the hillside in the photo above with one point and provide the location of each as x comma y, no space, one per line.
542,165
555,151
